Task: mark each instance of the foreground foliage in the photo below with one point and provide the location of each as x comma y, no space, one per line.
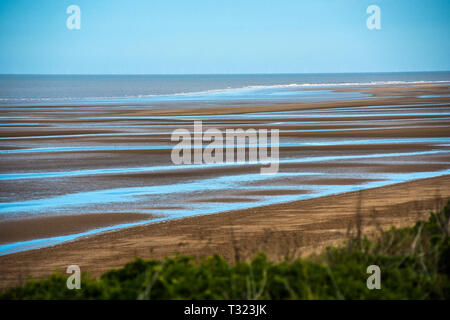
414,262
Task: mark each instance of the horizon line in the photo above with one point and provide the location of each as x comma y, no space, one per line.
217,74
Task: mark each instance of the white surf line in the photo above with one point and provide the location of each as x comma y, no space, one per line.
59,174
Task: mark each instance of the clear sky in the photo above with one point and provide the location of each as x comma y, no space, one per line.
223,36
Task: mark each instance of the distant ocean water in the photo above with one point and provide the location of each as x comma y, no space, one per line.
148,89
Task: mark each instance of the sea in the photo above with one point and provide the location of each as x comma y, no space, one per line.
203,89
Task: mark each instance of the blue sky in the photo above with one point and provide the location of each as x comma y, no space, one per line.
227,36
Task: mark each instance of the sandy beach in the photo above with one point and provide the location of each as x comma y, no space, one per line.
87,170
287,230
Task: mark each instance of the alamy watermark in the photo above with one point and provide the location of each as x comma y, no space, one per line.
229,147
74,281
374,280
73,21
374,20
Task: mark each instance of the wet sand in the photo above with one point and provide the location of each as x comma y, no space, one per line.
84,168
43,227
291,229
